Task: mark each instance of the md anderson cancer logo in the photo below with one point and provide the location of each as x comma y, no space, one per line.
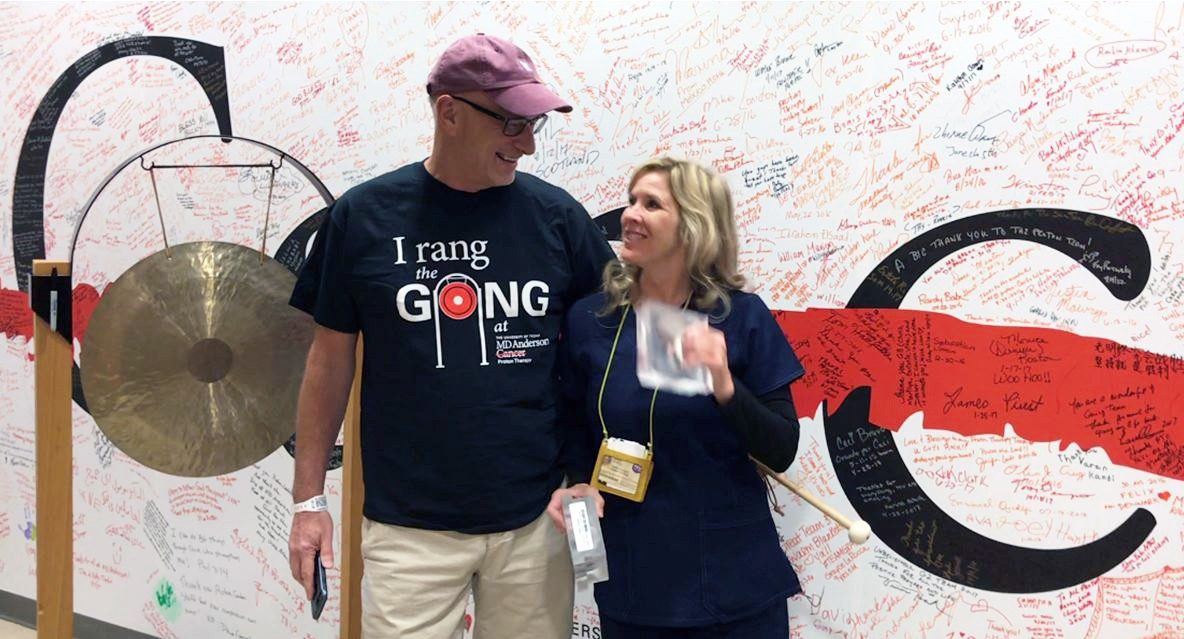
457,297
516,350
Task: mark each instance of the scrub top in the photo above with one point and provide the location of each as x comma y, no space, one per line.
702,548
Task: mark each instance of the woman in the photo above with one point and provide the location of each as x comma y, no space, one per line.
698,555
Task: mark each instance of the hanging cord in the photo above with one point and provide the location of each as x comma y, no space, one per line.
271,166
267,213
608,367
168,252
320,187
604,381
774,502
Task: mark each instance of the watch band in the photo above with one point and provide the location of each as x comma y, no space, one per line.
316,504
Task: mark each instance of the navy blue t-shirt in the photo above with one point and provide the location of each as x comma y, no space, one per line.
702,548
460,298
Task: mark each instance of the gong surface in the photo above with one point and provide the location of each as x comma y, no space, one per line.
191,364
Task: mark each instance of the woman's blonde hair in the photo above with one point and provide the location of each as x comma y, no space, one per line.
706,227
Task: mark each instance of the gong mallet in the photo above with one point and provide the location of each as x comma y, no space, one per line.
857,531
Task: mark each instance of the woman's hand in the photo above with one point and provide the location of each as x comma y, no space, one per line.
555,508
703,345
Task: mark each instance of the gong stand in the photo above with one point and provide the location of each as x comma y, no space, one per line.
50,294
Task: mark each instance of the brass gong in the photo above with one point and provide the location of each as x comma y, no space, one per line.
192,361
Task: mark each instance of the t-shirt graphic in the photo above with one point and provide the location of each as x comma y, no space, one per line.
493,306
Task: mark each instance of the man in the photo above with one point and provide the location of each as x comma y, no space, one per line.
457,269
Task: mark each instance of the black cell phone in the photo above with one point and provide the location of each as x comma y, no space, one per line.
320,586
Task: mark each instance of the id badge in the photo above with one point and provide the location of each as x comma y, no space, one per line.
622,474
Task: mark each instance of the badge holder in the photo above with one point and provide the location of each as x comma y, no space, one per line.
623,468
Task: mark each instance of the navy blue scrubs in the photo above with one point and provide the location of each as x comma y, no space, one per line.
702,549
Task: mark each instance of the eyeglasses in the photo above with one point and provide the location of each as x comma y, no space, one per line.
510,126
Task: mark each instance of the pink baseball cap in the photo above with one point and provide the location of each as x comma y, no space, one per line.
500,69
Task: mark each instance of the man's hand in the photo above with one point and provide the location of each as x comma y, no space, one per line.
324,394
555,508
311,531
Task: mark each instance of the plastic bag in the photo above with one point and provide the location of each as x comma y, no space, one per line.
660,328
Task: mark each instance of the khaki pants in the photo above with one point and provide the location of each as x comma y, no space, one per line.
416,583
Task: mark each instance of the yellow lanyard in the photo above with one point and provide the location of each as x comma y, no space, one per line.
604,381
